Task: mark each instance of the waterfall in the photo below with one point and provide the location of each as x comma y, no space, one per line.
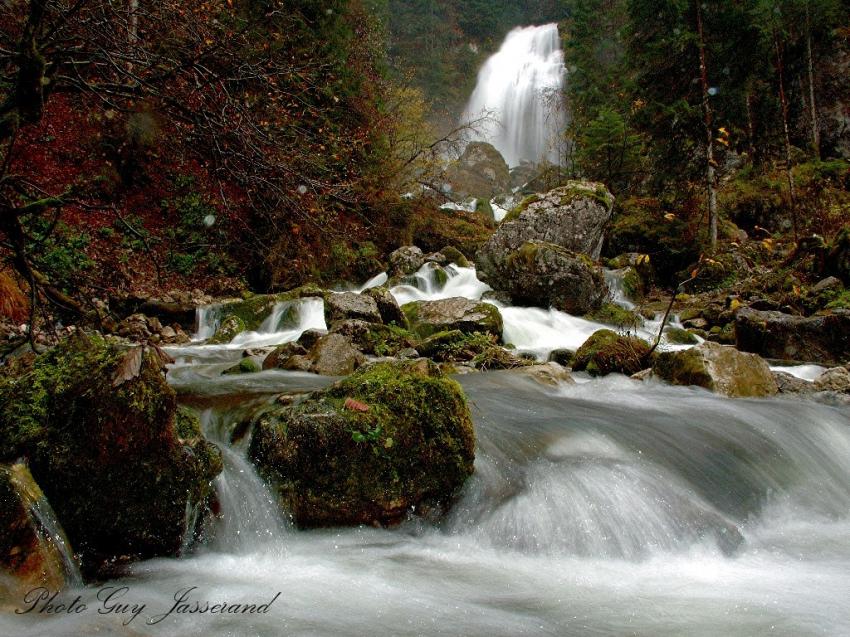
519,94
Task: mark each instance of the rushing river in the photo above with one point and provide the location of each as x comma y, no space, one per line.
608,507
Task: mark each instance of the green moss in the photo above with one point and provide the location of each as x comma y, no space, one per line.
683,368
607,352
678,336
612,314
455,256
228,330
387,340
839,301
410,443
244,366
514,214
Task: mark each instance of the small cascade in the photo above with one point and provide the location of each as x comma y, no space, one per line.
519,95
432,283
207,321
250,518
51,532
614,279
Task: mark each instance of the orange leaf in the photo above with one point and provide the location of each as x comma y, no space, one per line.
355,405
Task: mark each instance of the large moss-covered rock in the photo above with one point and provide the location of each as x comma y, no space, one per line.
228,330
573,216
116,458
821,339
393,438
430,317
375,338
607,352
388,307
29,555
546,275
720,368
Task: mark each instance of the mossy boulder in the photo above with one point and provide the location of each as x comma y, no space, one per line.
573,216
607,352
244,366
116,458
678,336
351,305
481,350
612,314
719,368
29,555
254,310
391,439
375,338
427,318
228,330
453,255
546,275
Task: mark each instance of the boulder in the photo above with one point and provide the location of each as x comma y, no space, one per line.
573,216
836,379
351,305
30,556
334,355
550,374
375,338
281,354
392,439
227,330
607,352
388,307
719,368
119,462
480,172
823,338
430,317
244,366
405,261
789,384
546,275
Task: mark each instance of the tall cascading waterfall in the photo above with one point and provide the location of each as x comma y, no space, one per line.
519,96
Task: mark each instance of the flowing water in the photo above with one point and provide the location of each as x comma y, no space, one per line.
519,96
610,507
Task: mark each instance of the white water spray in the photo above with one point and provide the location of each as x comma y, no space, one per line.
519,95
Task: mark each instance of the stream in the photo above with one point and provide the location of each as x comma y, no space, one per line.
609,507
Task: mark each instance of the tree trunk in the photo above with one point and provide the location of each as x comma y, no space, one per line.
811,70
710,167
783,99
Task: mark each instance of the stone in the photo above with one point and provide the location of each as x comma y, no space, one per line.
375,338
550,374
836,379
480,172
822,338
789,384
393,439
719,368
563,357
244,366
388,307
334,355
29,558
351,305
607,352
281,354
405,261
430,317
227,330
573,216
829,283
545,275
117,459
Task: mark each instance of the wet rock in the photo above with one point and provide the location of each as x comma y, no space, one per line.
789,384
375,338
480,172
550,374
405,261
244,366
430,317
719,368
351,305
563,357
388,307
823,338
607,352
281,354
334,355
298,363
29,558
573,216
309,338
836,379
117,459
545,275
392,439
227,330
453,255
643,375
